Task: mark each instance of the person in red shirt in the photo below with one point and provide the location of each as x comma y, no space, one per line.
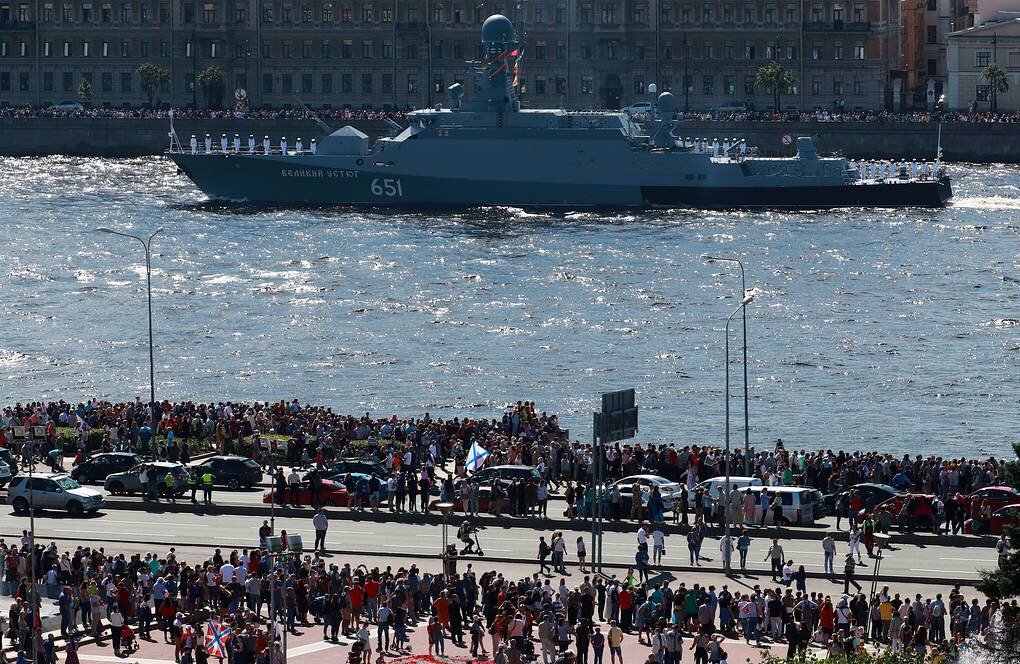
826,618
357,596
371,597
626,600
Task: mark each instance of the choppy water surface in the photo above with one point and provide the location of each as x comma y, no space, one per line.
879,330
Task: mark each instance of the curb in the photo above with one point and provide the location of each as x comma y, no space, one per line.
542,524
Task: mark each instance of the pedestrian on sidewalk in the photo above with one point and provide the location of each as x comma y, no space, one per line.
829,553
207,487
849,568
320,523
658,545
726,549
694,546
855,542
581,553
776,555
743,546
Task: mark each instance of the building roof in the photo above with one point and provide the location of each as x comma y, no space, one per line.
1003,28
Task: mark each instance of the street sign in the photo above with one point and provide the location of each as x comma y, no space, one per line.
619,416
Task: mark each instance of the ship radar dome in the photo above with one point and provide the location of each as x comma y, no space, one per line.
497,29
666,103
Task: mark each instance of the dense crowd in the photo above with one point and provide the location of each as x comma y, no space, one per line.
409,451
254,591
78,111
347,114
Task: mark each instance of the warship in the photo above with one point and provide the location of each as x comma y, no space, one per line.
488,151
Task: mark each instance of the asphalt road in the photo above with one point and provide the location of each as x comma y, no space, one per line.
231,531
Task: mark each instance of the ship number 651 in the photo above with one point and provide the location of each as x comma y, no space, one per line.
389,187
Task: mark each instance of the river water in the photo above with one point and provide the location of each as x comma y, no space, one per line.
892,330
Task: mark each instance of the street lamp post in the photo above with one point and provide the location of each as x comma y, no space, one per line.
743,292
727,560
147,244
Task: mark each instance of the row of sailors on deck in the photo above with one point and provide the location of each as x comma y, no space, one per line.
727,148
226,146
886,170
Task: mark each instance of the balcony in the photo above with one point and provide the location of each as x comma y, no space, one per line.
17,25
416,26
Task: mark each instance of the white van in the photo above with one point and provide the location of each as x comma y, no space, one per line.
802,506
713,486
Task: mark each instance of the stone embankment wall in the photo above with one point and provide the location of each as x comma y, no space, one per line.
131,138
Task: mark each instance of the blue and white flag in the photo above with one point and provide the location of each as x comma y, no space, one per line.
476,457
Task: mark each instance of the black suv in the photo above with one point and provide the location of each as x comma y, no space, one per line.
233,472
96,469
363,466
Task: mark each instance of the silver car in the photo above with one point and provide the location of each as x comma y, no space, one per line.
52,491
130,481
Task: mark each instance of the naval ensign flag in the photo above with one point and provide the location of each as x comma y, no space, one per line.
476,457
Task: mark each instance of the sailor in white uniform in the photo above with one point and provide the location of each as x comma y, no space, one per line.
925,171
743,147
223,143
208,143
283,145
251,144
194,144
265,145
297,146
237,144
314,146
715,147
913,169
726,147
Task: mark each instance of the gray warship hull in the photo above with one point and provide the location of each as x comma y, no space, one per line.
489,152
543,183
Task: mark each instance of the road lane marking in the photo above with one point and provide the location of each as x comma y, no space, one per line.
947,571
111,658
972,560
310,648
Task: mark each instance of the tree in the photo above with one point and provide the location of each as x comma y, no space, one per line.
85,91
1003,640
210,80
997,82
776,78
153,78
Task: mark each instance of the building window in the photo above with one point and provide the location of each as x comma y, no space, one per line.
267,14
412,84
86,12
412,52
47,79
24,82
47,13
932,67
164,12
837,87
106,13
285,51
46,49
286,83
164,49
983,59
859,51
125,81
125,49
981,93
85,49
366,49
23,49
387,84
438,84
209,13
107,82
347,83
367,14
326,83
587,85
306,14
387,15
327,49
267,83
241,14
214,49
791,51
187,49
189,12
125,12
540,50
816,51
609,13
306,49
327,13
68,13
858,88
639,85
748,51
347,49
67,49
932,34
748,85
143,14
67,81
729,86
837,51
816,86
728,51
145,48
348,15
708,85
387,49
306,83
5,81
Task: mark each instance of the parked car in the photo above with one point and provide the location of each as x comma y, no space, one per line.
366,466
735,107
232,472
350,480
997,496
801,505
333,494
8,458
670,490
52,491
130,481
5,474
96,469
505,474
868,496
1001,518
919,515
638,107
713,485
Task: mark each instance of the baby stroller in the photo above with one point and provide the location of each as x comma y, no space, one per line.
128,642
357,649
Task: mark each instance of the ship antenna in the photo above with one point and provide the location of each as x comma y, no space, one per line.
326,129
938,151
173,133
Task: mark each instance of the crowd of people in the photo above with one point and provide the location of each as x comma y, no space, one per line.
261,592
347,114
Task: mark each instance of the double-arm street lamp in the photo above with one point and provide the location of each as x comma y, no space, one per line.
728,553
743,294
147,244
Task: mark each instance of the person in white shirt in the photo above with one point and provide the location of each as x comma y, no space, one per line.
226,573
642,535
658,545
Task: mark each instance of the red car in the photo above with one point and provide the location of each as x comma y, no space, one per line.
997,496
1002,517
919,514
333,494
